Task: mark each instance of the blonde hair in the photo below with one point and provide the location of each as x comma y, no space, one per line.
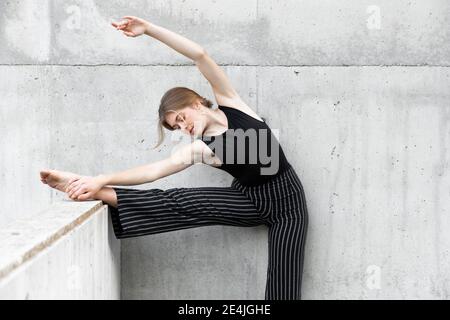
175,99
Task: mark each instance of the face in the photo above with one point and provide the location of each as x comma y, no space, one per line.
189,119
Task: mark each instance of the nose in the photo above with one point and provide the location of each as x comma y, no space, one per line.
185,128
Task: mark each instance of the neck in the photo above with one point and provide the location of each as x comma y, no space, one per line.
218,123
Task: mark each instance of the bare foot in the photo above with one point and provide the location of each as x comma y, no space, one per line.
57,179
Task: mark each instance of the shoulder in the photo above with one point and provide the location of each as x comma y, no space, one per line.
195,150
200,148
237,103
202,151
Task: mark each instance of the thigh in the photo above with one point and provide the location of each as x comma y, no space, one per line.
143,212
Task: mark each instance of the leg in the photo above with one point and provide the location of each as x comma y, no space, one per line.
145,212
107,195
285,267
59,180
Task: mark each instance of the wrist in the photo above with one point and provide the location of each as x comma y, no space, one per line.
148,28
103,179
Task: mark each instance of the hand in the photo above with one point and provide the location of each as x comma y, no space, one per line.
83,188
131,26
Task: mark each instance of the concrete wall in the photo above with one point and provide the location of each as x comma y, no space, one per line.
65,252
358,90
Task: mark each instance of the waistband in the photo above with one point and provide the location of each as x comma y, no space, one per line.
280,186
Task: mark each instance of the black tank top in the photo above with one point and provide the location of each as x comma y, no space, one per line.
245,148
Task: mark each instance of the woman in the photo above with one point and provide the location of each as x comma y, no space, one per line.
258,194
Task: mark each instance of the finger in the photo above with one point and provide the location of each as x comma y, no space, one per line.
73,180
129,34
129,17
80,192
44,173
84,196
114,24
72,186
73,196
123,23
69,183
123,27
75,191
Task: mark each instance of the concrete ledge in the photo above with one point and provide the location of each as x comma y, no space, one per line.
66,251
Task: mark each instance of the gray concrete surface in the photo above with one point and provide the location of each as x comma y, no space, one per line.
252,32
65,252
365,127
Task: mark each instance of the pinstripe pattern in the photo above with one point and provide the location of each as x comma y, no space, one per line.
279,204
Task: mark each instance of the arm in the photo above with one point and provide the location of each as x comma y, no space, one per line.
178,161
215,75
208,67
181,44
134,26
221,85
83,188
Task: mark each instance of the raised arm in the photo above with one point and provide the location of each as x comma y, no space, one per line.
85,187
224,92
134,26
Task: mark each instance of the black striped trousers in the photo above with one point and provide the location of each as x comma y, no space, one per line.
279,204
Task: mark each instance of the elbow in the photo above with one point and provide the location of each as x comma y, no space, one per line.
201,55
152,172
